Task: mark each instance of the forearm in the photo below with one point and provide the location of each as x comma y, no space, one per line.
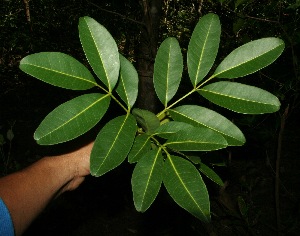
27,192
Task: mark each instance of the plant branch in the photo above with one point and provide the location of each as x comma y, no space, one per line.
115,13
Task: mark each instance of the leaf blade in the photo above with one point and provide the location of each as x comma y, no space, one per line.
168,67
146,119
203,117
240,97
58,69
211,174
203,47
101,51
250,58
146,179
112,144
71,119
185,185
196,139
127,87
141,145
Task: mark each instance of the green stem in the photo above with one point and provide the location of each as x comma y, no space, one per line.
161,116
114,98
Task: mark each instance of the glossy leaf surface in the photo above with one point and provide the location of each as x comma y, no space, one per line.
241,98
185,185
112,144
196,139
203,117
127,87
58,69
146,179
203,47
140,146
101,51
250,58
71,119
168,68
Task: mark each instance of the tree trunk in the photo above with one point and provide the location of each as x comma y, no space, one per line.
147,49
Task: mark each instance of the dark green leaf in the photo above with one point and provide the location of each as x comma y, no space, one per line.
112,144
146,179
59,70
196,139
240,97
203,47
101,51
168,68
185,185
203,117
140,146
71,119
166,130
211,174
250,58
146,119
127,87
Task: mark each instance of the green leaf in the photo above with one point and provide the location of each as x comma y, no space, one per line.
240,97
146,179
71,119
203,117
140,146
203,47
127,87
250,58
112,144
211,174
185,185
168,68
59,70
196,139
168,129
101,51
146,119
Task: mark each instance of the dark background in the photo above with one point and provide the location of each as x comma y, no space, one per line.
103,206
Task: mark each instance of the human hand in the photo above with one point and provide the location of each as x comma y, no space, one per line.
79,163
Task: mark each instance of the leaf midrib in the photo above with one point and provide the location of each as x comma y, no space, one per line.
73,118
231,68
62,73
184,186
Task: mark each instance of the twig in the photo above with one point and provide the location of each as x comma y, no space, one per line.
277,179
116,13
27,12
